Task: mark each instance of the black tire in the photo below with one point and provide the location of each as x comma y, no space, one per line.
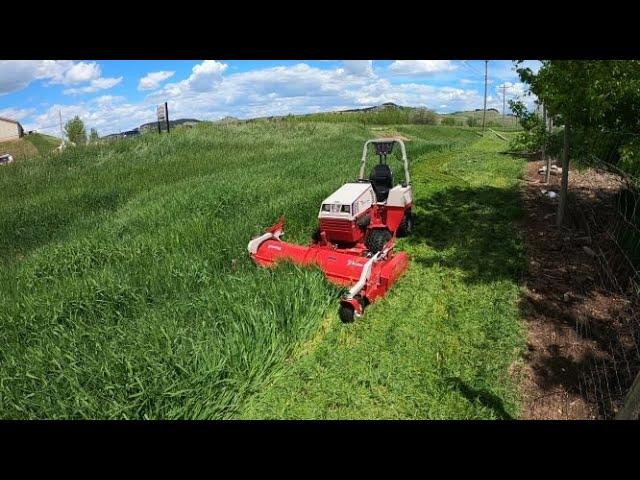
346,313
376,239
315,236
405,227
363,222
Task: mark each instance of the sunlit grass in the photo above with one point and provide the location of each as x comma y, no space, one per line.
125,285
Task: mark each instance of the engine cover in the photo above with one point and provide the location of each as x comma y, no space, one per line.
349,202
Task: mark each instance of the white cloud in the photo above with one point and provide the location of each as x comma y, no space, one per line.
18,74
421,67
94,86
16,113
152,80
108,99
302,88
358,67
211,92
206,75
81,72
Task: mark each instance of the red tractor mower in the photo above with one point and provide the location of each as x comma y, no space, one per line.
358,225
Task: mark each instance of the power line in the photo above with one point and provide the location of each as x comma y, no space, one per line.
464,62
484,109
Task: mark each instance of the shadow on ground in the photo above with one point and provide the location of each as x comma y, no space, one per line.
471,230
485,398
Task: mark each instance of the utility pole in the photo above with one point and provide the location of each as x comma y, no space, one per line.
61,130
546,158
565,175
484,109
504,101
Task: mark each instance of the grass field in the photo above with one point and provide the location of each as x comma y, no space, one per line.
127,291
440,345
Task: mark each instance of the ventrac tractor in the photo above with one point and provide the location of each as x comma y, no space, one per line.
357,228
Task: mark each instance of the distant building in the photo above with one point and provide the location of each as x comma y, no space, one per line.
10,130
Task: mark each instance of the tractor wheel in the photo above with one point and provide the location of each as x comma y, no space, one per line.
315,236
376,239
406,225
346,313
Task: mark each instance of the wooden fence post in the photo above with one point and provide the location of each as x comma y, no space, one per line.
631,408
565,176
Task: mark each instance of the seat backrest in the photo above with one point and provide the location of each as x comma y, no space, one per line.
382,180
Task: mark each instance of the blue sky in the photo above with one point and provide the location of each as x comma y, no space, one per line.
116,95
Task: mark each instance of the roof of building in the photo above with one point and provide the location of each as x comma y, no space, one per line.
9,120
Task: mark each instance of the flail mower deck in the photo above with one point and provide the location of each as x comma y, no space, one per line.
354,242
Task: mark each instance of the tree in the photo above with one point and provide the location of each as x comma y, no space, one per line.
93,136
74,129
598,99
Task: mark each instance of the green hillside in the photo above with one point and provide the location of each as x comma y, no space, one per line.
29,146
43,143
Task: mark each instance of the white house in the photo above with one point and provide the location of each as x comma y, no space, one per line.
10,129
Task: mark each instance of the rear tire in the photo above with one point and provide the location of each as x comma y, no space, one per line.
405,227
315,236
376,239
346,313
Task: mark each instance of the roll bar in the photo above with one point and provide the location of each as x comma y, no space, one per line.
405,161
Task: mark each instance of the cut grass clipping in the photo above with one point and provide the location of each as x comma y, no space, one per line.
127,291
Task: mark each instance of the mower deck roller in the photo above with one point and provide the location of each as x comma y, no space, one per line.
354,242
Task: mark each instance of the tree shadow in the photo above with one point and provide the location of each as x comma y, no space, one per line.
470,230
484,397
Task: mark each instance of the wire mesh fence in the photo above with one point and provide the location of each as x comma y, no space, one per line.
604,202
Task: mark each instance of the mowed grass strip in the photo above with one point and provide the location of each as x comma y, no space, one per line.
125,284
441,344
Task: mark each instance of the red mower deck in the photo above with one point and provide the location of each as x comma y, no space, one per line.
354,243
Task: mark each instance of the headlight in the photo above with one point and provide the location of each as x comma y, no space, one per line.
326,207
346,208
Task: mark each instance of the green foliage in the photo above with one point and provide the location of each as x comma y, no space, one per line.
630,156
449,121
93,136
601,99
423,116
75,132
534,134
472,121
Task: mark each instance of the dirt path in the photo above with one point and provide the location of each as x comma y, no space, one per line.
572,318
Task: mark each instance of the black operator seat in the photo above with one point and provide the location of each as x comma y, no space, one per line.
382,181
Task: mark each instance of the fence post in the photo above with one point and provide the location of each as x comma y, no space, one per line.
631,408
545,157
549,158
565,176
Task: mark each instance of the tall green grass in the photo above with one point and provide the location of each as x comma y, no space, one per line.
125,284
443,343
